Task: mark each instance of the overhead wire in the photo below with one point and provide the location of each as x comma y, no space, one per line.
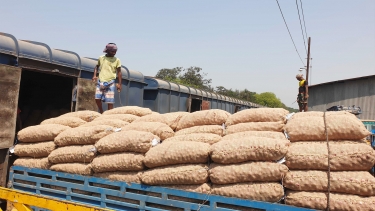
300,23
303,17
289,32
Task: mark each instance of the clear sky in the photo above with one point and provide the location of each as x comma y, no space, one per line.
239,43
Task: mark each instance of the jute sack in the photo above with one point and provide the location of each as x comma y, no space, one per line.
170,119
339,127
73,154
159,129
67,121
126,141
83,135
214,129
40,133
205,117
256,126
126,161
319,114
248,149
35,150
111,122
176,175
73,168
266,134
87,116
247,172
201,188
355,182
40,163
124,117
182,152
337,202
344,156
208,138
258,115
128,177
135,110
270,192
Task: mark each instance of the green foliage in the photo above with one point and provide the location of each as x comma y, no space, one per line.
169,74
194,77
268,99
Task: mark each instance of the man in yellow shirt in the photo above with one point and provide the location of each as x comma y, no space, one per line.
303,93
109,66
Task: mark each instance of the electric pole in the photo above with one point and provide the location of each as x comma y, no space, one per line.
308,60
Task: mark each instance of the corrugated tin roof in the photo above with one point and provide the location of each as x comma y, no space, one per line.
341,81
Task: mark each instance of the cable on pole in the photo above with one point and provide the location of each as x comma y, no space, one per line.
303,16
300,23
289,32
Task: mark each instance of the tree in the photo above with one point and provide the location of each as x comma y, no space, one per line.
268,99
192,76
169,74
247,95
221,90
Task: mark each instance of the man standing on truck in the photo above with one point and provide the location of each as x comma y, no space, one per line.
303,93
105,87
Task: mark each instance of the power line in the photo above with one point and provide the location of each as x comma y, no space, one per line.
300,23
289,32
303,16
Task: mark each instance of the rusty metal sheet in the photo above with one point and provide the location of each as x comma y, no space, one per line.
205,105
86,95
9,85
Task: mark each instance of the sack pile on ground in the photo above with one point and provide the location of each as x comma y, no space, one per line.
352,187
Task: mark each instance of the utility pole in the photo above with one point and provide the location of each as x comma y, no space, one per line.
308,61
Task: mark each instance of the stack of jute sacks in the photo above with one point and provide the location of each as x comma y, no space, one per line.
36,144
76,147
181,161
351,186
245,159
122,153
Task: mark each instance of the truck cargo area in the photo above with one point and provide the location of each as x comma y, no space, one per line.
43,96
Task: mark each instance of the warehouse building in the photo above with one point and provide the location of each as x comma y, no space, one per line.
358,92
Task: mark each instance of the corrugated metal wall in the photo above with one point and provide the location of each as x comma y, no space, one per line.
359,92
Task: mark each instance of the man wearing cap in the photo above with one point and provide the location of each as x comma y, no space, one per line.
105,86
303,93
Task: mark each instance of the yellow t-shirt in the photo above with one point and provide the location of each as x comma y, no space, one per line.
108,68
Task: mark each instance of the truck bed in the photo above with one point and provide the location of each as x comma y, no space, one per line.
123,196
